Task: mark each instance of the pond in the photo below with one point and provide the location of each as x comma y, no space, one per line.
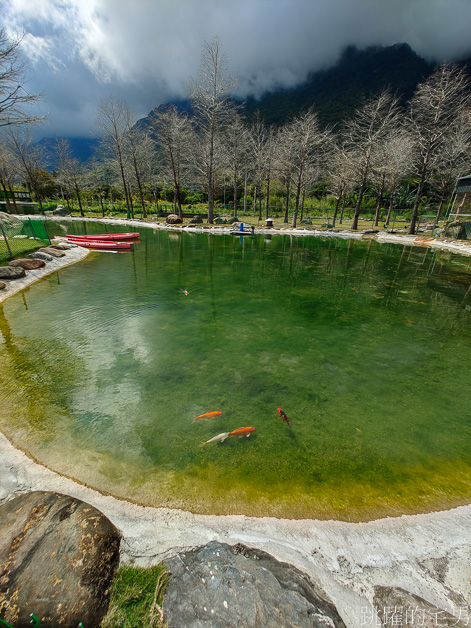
365,346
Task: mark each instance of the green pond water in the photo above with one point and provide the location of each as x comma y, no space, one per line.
366,347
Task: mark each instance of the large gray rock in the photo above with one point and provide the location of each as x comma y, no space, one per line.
9,272
27,264
173,219
61,211
219,586
51,250
41,255
397,607
196,220
57,558
455,230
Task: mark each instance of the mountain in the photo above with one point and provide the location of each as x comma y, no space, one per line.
335,93
81,148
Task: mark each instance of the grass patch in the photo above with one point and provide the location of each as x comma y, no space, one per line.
19,248
136,598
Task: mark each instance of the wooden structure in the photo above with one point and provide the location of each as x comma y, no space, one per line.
17,202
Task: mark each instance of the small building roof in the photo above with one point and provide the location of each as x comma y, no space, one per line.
463,184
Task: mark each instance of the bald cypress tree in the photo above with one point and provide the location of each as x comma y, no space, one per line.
363,135
436,104
210,100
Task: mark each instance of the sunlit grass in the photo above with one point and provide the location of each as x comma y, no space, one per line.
136,598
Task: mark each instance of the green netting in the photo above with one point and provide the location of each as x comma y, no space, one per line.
20,237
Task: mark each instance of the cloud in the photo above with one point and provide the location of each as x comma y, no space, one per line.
145,51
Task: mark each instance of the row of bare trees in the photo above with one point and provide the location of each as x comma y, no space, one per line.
379,146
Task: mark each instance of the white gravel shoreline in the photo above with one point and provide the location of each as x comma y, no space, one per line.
346,559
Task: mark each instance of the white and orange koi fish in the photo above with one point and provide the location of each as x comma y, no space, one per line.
242,431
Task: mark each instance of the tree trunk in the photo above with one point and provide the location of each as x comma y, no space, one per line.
296,204
391,203
235,193
179,201
358,206
13,197
302,202
334,217
126,196
418,196
141,193
210,184
461,205
267,206
380,201
344,200
79,200
439,211
287,203
245,193
7,200
131,205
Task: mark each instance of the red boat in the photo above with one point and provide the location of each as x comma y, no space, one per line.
96,244
105,236
103,245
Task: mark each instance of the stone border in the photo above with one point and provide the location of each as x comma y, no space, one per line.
426,554
13,286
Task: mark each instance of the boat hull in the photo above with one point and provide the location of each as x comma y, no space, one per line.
96,244
104,237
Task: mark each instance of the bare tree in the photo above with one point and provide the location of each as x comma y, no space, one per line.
8,173
303,143
258,139
211,105
396,163
437,102
13,95
137,145
237,146
113,120
362,136
30,159
173,131
339,176
70,170
97,179
453,160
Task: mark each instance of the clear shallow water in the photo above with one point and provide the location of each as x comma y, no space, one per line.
366,347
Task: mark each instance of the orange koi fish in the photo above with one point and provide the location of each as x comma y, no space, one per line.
207,415
283,416
242,431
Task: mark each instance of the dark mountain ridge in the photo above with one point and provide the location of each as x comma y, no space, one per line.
81,148
335,93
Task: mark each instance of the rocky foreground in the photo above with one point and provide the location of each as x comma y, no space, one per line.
58,555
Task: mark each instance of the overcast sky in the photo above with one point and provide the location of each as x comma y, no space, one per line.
144,51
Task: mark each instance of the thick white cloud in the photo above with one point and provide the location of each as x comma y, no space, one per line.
146,50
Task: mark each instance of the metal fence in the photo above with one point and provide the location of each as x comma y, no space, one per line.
20,237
